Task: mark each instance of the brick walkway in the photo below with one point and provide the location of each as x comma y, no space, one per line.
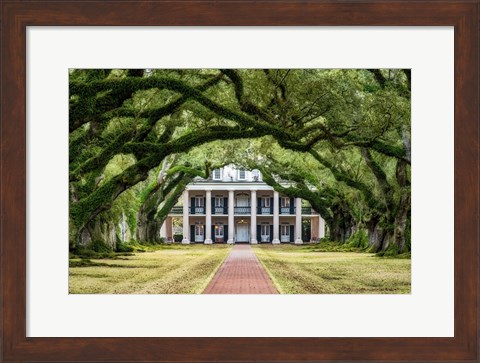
241,273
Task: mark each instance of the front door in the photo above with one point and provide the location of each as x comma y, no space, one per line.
242,232
219,233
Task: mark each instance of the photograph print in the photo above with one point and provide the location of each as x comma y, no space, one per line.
239,181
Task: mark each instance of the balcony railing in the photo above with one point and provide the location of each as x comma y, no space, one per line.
219,210
265,210
197,210
177,210
242,210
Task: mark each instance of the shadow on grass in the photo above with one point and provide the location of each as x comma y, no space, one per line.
90,263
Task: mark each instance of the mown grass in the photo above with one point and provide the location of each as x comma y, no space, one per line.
160,269
306,270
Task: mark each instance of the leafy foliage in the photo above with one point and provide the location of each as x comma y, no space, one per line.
337,138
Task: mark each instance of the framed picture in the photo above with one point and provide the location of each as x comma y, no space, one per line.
427,50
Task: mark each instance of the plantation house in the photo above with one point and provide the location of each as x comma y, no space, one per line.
234,205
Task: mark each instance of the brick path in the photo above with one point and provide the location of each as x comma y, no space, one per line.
241,273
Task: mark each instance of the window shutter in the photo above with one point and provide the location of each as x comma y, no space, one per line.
271,205
225,205
192,205
292,205
213,206
259,233
259,205
213,233
307,232
271,232
292,233
192,233
225,233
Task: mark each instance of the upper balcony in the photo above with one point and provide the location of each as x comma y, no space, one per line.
308,211
177,210
242,210
220,210
287,210
223,210
197,210
265,210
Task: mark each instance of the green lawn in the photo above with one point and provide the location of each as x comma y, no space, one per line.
179,269
187,269
299,270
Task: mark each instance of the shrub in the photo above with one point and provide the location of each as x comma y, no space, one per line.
100,246
123,247
359,239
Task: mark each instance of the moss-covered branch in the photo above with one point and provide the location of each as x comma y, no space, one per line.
316,198
343,177
135,134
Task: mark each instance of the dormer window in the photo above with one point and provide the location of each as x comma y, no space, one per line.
256,175
242,174
217,174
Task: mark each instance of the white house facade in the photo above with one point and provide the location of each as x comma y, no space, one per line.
234,205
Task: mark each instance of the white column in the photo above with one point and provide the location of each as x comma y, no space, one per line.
253,218
186,224
298,221
163,230
276,218
321,227
169,227
231,223
208,218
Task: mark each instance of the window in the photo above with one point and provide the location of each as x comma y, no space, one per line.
284,233
217,174
266,202
285,202
218,201
199,202
198,233
265,230
199,230
242,174
265,233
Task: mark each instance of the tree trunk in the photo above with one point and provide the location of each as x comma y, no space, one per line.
148,231
100,230
403,210
401,223
377,236
341,226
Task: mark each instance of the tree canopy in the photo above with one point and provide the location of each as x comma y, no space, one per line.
337,138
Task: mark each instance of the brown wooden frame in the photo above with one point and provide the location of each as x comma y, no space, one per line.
17,15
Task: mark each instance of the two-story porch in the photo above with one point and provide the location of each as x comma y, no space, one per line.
243,213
